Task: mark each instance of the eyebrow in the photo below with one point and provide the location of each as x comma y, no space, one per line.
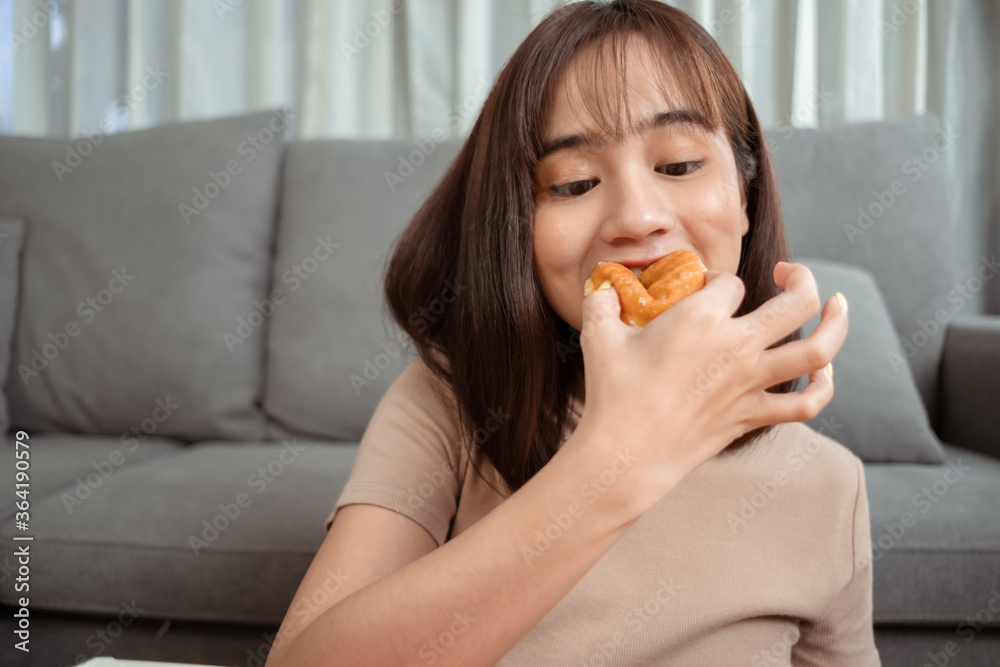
678,117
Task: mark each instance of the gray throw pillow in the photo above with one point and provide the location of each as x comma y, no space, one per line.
333,348
11,235
145,255
876,410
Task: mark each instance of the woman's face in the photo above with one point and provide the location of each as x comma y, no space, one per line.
668,186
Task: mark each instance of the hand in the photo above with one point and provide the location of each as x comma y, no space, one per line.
693,380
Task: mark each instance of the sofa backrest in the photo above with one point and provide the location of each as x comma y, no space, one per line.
876,195
143,254
333,349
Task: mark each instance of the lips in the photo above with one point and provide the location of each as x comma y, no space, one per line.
639,265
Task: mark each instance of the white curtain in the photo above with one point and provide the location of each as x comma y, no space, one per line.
384,68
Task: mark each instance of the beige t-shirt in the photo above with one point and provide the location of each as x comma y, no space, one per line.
759,559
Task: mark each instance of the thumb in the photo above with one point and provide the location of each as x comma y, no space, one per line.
601,308
780,273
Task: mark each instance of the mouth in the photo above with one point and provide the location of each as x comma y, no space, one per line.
638,266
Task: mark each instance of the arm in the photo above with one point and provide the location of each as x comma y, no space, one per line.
845,636
488,586
970,384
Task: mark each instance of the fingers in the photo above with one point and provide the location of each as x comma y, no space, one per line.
788,311
601,310
728,286
723,293
780,273
795,406
797,358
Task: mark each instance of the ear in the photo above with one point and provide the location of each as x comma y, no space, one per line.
745,223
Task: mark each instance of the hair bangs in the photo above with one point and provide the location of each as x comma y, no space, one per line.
599,75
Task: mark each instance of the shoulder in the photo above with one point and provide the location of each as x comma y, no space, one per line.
799,481
803,474
838,467
419,388
418,406
809,456
835,473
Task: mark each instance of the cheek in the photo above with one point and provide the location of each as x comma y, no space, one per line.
559,252
719,228
558,249
719,209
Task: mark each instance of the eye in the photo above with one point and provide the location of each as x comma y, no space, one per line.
574,189
679,168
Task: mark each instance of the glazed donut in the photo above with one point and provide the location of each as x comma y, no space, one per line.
660,286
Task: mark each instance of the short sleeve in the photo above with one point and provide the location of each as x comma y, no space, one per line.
845,636
408,458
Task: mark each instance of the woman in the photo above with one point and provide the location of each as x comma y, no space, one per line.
666,506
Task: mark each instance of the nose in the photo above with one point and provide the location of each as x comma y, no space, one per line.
636,208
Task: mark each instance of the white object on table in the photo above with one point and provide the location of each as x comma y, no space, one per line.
114,662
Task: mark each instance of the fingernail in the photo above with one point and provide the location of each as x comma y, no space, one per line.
829,369
842,301
605,285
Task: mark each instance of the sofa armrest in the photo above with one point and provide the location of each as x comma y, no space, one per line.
970,384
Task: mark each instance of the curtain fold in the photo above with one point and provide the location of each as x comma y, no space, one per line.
403,68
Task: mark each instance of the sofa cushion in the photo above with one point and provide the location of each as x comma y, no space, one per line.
333,349
77,465
936,539
142,253
876,410
876,195
70,470
221,531
11,236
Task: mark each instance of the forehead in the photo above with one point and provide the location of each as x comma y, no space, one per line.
621,86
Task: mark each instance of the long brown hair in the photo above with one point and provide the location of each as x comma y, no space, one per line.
500,346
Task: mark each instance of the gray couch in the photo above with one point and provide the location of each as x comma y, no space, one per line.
188,440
